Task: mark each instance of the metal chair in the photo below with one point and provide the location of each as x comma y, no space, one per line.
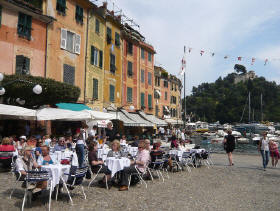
139,175
16,174
96,174
78,173
35,177
187,159
157,166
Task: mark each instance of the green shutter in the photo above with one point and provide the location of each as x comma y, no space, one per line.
150,101
109,35
117,39
129,94
95,88
101,59
92,55
79,14
0,15
112,93
28,26
142,99
142,53
129,69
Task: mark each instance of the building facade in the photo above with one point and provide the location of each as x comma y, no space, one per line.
66,47
175,97
146,77
94,59
23,35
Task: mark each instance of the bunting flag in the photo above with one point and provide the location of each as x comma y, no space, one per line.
239,58
183,65
253,61
265,61
201,53
225,57
190,49
213,54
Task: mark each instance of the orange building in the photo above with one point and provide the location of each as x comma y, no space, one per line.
67,42
146,87
23,34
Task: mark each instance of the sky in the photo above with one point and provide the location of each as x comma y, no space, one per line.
246,28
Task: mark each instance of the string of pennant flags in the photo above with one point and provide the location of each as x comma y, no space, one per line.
252,60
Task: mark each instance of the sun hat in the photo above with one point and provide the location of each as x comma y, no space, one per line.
23,137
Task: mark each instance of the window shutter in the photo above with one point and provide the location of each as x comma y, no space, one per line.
28,26
19,63
142,99
63,40
92,55
96,25
100,59
77,44
26,69
112,93
129,94
0,15
150,101
95,88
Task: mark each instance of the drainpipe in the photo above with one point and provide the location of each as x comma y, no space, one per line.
46,50
85,82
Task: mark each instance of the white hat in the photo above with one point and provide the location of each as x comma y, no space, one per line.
22,137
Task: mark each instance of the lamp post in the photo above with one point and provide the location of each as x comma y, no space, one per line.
37,89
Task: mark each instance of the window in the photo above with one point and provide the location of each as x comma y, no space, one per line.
35,3
112,63
79,14
142,76
0,15
70,41
142,100
68,74
157,81
109,35
149,78
112,93
173,100
97,26
101,59
157,110
117,39
22,65
165,95
142,53
165,83
149,56
129,95
61,6
94,56
95,89
24,25
129,48
150,101
129,69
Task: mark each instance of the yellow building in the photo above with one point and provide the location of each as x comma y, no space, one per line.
112,87
175,97
94,58
66,46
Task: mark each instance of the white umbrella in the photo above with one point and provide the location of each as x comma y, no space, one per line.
62,114
16,112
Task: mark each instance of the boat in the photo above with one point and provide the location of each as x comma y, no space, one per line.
242,140
217,140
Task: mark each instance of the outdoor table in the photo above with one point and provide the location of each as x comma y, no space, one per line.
116,164
132,150
67,154
57,171
196,159
179,153
197,150
102,153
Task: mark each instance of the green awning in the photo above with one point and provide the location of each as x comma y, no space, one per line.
72,106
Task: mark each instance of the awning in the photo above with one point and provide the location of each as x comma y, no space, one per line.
98,123
174,121
62,114
72,106
153,119
137,118
16,112
98,115
126,121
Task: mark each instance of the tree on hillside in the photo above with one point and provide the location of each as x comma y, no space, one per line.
240,68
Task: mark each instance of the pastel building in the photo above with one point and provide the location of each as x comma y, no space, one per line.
23,35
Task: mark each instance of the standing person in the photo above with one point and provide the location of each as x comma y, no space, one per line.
264,149
183,135
274,152
229,146
80,149
110,133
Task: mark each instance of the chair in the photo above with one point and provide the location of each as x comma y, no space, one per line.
139,175
35,177
92,173
187,159
15,174
175,162
157,166
76,173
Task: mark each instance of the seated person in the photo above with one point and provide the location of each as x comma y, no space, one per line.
173,139
123,140
38,150
115,152
21,144
60,146
6,153
156,152
141,162
27,163
135,142
148,143
96,164
45,158
182,146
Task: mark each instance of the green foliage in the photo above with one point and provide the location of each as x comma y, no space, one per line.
224,101
240,68
53,91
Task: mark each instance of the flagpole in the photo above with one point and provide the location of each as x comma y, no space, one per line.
185,92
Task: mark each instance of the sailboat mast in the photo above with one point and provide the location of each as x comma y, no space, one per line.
261,108
249,107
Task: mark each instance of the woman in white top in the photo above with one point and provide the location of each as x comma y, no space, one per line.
264,149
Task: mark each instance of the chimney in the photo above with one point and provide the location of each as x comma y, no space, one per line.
105,4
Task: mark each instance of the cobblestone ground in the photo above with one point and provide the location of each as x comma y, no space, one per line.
244,186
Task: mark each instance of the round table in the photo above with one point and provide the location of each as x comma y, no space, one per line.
60,155
57,171
132,150
179,153
102,153
116,164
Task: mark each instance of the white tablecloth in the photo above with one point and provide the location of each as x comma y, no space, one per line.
115,165
59,155
57,171
179,153
197,150
102,153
